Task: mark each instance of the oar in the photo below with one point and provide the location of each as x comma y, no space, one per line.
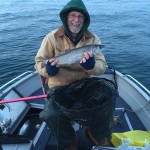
23,99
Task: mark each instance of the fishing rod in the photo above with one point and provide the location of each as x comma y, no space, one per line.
23,99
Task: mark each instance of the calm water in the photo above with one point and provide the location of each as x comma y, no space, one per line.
122,25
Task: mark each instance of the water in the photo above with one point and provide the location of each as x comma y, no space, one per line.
122,25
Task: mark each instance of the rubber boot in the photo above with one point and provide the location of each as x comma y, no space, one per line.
74,145
96,141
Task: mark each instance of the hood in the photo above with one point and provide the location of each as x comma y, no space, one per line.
76,5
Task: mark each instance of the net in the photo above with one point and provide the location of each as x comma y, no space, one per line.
86,101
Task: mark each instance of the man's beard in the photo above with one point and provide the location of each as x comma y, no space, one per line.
74,30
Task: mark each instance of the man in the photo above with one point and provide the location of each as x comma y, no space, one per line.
72,34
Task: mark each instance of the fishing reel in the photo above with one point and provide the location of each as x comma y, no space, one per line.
1,105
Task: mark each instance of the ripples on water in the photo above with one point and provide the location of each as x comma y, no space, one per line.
122,25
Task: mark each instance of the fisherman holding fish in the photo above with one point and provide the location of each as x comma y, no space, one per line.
72,35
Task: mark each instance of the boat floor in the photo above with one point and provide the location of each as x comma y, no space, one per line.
126,121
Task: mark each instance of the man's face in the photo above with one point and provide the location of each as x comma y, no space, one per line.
75,21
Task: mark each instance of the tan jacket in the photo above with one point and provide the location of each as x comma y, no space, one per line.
54,44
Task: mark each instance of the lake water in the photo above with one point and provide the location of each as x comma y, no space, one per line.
122,25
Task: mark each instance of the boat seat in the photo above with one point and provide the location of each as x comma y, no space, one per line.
17,92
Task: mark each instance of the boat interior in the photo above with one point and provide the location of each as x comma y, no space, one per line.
21,128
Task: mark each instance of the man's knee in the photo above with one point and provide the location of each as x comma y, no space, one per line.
49,112
48,115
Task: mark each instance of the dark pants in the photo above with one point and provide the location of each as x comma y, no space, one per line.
62,128
59,124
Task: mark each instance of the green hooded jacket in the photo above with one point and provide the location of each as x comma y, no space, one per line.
75,5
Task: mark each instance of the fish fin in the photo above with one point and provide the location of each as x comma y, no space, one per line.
42,60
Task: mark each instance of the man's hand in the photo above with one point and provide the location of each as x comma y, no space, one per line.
87,61
51,67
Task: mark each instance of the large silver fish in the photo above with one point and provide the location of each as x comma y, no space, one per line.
73,55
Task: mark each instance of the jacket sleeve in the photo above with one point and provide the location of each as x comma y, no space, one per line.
45,52
100,62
